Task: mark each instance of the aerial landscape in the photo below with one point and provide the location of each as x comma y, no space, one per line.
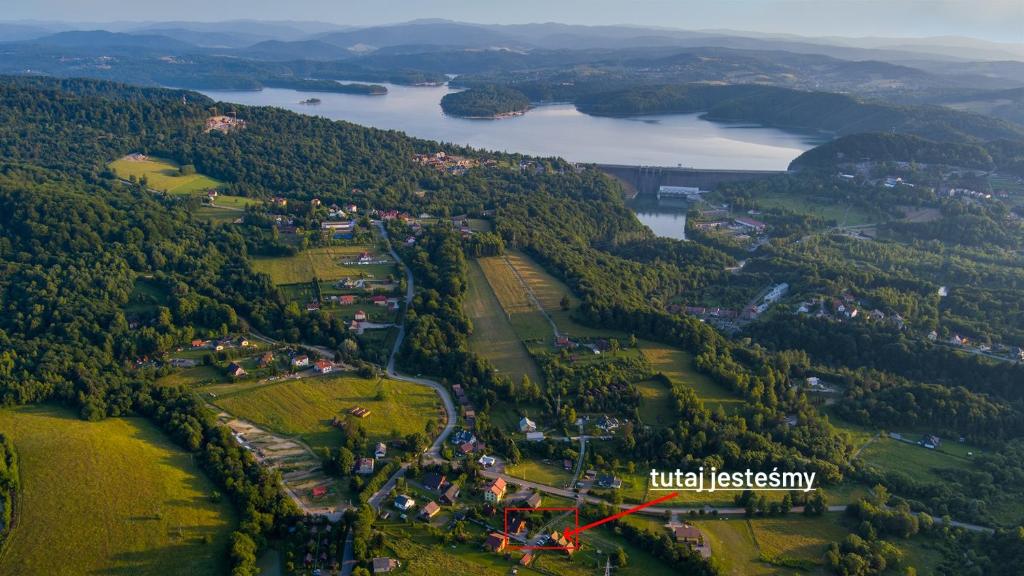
564,288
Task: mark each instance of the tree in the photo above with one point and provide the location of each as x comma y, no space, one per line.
620,558
565,303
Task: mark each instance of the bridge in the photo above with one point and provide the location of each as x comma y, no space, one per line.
646,180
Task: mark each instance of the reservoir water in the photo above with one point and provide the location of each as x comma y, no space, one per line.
551,130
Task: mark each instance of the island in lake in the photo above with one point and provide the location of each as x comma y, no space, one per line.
486,102
310,101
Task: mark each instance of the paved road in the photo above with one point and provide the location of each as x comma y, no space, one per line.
661,510
348,559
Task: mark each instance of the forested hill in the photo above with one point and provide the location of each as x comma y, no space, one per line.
837,114
485,102
1005,155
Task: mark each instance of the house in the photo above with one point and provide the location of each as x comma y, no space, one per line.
429,511
608,481
495,491
379,300
451,494
235,371
931,441
339,229
527,559
383,565
755,225
351,208
315,202
534,500
527,425
814,382
467,448
496,542
393,303
266,359
243,342
197,343
534,436
300,361
487,461
347,299
434,481
564,342
691,536
280,202
463,436
380,451
516,524
319,491
404,503
365,466
607,423
359,316
313,306
567,545
323,366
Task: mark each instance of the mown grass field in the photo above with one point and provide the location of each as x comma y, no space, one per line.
916,461
678,366
305,407
842,214
110,497
552,474
796,537
324,263
655,403
526,320
493,336
163,175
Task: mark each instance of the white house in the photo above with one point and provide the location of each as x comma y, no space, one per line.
527,425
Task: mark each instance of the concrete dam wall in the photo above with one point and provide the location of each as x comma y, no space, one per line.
647,179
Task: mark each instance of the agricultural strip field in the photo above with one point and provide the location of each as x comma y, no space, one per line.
493,336
109,497
163,175
325,263
527,322
305,407
678,366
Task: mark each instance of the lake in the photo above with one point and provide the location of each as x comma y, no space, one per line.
551,130
667,223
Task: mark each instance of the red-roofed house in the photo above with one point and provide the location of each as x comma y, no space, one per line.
323,366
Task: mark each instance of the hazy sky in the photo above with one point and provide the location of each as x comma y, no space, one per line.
990,19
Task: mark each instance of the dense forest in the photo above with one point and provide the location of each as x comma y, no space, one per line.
837,114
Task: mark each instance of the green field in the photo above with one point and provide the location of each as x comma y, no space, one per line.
842,214
916,461
678,366
163,175
526,320
305,407
324,263
656,403
551,474
110,497
493,336
549,292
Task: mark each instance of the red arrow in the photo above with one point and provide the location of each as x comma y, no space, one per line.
570,532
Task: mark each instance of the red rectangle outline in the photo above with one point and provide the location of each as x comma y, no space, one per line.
575,538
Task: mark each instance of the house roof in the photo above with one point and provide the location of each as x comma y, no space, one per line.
687,532
534,500
431,508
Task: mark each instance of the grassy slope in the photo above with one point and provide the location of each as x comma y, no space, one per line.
305,407
163,175
323,263
527,322
493,336
678,366
109,497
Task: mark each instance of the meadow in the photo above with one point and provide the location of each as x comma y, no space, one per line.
916,461
656,403
493,336
325,263
550,474
305,407
842,214
526,320
163,175
109,497
678,366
